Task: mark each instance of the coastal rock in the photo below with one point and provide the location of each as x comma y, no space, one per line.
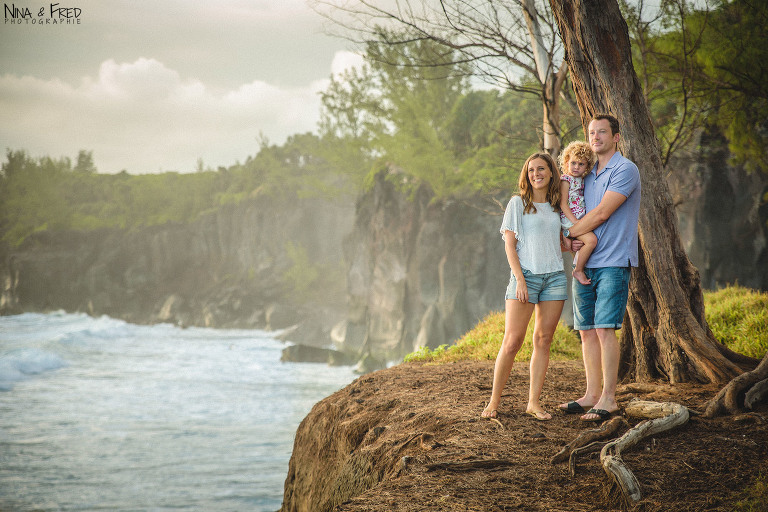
420,272
309,354
722,214
225,269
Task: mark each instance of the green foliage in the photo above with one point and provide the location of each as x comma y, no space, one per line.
409,109
47,194
494,140
729,60
699,63
738,317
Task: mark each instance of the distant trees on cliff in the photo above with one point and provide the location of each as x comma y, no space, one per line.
412,107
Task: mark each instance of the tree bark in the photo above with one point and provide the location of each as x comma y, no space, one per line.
665,334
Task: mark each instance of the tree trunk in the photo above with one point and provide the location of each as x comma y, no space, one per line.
550,79
665,335
551,122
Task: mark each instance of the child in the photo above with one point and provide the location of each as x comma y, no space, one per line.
576,161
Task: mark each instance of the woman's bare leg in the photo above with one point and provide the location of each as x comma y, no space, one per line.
516,318
547,317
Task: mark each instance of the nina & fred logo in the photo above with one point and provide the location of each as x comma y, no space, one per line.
52,14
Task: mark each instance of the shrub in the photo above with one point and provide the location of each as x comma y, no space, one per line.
738,317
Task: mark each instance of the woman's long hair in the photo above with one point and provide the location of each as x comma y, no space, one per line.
553,191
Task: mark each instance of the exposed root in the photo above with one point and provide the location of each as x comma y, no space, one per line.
606,430
732,398
665,416
591,447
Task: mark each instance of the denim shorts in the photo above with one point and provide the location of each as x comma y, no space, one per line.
602,303
541,287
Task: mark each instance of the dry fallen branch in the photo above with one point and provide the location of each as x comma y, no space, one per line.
607,429
471,465
497,421
665,416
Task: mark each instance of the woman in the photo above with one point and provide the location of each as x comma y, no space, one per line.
532,240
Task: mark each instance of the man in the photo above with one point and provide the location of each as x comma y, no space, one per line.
612,197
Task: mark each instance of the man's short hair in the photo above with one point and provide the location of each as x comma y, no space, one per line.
611,120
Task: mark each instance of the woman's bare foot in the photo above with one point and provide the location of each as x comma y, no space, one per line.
489,412
581,277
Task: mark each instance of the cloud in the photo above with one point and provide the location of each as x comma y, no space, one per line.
345,60
143,116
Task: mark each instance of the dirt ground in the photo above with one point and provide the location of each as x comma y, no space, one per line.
434,451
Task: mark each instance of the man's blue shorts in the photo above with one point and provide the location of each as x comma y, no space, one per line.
602,303
541,287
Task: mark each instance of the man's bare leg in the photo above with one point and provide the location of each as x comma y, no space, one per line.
593,368
609,350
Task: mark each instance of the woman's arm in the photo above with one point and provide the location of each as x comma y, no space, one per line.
510,246
565,187
565,243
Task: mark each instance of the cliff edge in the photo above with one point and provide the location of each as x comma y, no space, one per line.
410,438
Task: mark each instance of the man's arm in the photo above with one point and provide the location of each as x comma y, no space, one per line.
610,202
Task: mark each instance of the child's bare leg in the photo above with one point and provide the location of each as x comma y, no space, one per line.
590,242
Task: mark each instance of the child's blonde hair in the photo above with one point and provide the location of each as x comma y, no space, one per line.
578,150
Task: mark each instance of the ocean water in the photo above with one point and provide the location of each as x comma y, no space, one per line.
99,414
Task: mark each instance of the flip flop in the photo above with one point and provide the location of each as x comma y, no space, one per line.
574,407
539,415
601,413
492,414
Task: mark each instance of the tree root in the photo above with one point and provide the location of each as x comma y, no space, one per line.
758,394
733,396
591,447
665,416
607,429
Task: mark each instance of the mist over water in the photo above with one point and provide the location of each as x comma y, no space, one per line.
98,414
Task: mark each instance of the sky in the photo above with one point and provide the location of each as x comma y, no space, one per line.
161,85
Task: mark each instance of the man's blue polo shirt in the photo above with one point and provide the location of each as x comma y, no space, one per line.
616,237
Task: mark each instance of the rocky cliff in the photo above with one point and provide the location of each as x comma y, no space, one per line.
226,269
722,212
420,273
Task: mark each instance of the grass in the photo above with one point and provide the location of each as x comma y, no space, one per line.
738,317
753,497
482,343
